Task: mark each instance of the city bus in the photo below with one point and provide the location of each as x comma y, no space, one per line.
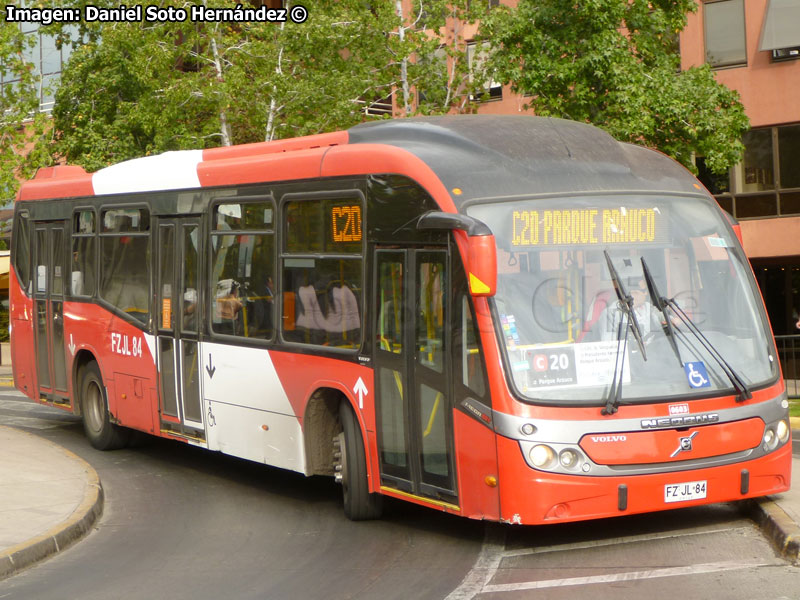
509,318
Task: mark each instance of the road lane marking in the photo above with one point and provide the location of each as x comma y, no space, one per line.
622,577
628,539
491,554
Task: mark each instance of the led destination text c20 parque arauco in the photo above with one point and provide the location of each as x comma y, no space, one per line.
155,14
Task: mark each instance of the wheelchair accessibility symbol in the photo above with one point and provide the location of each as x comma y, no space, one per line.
696,374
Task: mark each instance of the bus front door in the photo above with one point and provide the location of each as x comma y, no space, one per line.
179,324
48,306
412,371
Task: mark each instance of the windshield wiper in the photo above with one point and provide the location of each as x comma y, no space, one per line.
741,387
627,323
625,303
661,303
615,392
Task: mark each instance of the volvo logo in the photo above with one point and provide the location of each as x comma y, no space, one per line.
685,445
686,421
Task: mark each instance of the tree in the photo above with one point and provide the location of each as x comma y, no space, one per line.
20,123
132,89
615,63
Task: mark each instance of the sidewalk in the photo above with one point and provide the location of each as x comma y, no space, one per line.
49,498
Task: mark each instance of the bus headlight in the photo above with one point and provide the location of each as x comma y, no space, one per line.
542,456
782,430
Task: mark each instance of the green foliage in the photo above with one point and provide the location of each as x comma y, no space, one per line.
614,63
20,125
142,88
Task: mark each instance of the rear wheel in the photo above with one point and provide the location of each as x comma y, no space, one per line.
102,433
351,470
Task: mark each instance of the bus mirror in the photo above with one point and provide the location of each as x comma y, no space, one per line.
482,266
481,248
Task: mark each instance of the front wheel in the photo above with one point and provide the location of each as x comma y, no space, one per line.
102,433
351,467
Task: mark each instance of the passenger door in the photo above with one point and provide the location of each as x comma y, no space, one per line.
179,322
413,373
48,307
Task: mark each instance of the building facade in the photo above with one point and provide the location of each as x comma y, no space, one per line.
754,47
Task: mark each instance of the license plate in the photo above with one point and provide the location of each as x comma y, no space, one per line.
683,492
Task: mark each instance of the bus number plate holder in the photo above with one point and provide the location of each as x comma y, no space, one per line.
683,492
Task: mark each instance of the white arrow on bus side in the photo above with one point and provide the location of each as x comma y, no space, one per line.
71,345
361,390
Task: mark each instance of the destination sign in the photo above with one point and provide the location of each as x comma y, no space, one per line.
588,226
346,223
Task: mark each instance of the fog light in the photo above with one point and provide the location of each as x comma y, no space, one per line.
784,403
568,459
528,429
542,456
783,431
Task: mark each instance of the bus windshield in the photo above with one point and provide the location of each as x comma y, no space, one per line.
558,312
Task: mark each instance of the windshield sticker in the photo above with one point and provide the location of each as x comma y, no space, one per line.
585,364
588,226
718,242
696,374
510,330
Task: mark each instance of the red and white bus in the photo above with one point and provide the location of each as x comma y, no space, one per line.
508,318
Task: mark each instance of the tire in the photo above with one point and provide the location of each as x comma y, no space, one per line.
97,425
359,504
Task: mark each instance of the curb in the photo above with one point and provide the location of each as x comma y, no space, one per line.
781,530
61,536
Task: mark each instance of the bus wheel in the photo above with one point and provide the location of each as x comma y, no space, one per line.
102,433
351,470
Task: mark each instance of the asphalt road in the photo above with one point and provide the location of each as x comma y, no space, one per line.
180,522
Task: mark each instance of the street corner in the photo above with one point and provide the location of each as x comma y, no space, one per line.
36,471
778,526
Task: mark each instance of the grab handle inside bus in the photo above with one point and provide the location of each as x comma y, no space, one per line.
481,264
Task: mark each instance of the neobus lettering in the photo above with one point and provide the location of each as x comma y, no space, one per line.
127,346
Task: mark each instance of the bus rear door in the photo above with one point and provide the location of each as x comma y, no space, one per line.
412,370
179,324
48,307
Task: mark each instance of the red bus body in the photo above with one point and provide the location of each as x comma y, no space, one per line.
273,400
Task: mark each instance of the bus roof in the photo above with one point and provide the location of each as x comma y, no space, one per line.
478,156
489,156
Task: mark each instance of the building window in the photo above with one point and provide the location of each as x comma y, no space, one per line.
476,58
758,161
725,33
47,61
767,182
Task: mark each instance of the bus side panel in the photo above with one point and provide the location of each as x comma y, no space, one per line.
124,356
23,353
476,465
245,406
303,374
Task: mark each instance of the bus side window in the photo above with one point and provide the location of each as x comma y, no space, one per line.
82,279
471,356
125,258
22,251
242,270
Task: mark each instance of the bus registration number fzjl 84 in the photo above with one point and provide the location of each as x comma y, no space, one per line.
682,492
